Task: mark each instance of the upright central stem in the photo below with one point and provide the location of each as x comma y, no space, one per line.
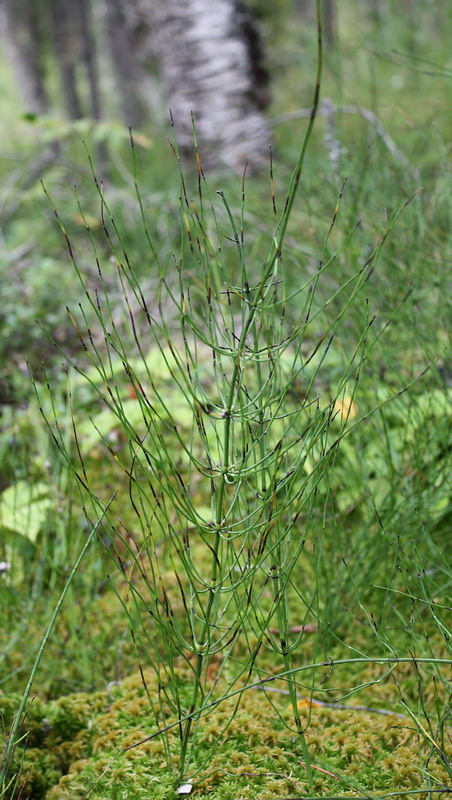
202,646
202,653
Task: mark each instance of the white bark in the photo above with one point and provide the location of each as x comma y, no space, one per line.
207,71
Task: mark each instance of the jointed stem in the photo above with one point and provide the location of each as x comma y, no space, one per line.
249,325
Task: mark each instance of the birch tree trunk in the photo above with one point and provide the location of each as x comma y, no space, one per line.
211,67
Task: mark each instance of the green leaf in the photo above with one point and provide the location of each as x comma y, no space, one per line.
24,507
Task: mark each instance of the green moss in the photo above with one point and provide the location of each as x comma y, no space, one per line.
54,735
78,743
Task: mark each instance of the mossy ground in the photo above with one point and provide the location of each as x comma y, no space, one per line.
75,746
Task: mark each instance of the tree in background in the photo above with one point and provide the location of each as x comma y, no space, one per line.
330,21
88,55
207,53
66,38
22,32
31,29
124,25
211,67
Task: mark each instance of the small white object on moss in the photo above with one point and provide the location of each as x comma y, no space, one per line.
185,788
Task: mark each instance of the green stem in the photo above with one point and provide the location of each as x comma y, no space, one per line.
200,661
287,658
187,729
248,323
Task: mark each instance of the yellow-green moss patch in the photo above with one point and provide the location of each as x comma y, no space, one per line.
76,745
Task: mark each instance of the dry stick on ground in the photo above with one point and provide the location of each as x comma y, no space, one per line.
341,706
327,108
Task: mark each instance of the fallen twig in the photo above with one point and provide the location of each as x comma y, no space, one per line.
327,108
340,706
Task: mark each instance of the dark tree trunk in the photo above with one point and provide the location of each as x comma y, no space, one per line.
330,22
88,51
21,26
124,62
88,54
66,39
377,10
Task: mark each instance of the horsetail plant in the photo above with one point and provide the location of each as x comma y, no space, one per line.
216,387
216,396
